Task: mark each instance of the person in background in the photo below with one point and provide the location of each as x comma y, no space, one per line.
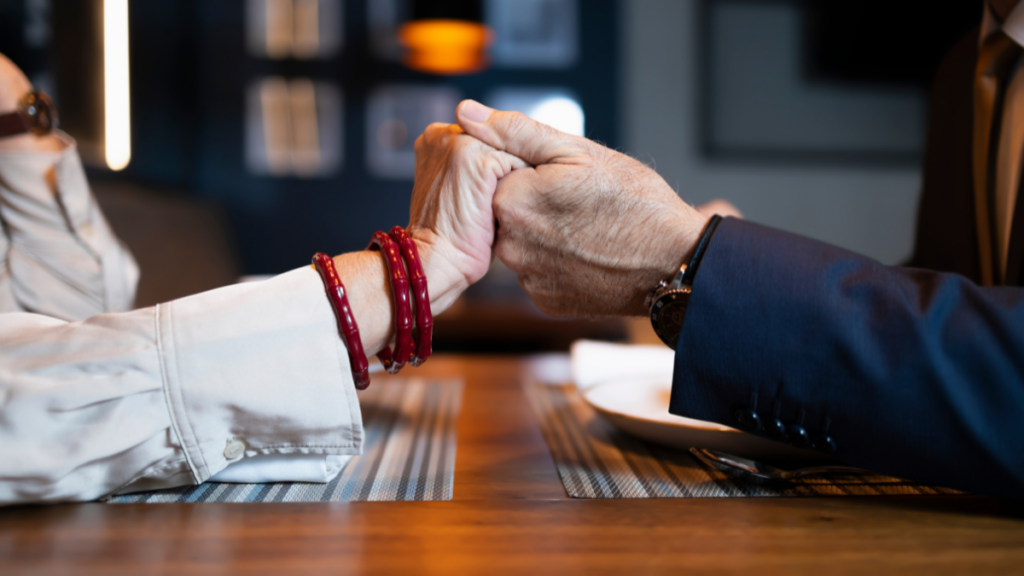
58,256
97,400
913,372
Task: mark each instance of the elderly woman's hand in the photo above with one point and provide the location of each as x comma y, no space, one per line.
451,216
451,221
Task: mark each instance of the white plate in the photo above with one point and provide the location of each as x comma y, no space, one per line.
639,406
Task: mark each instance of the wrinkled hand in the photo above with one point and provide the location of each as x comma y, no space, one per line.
451,212
588,230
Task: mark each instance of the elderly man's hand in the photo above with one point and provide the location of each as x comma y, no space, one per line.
451,213
588,230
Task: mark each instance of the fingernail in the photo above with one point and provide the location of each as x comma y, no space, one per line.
474,111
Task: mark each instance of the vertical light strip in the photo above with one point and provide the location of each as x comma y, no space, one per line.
116,99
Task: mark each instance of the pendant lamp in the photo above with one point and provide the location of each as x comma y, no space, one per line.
445,37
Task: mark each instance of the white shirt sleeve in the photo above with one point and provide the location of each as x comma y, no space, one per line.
170,395
58,255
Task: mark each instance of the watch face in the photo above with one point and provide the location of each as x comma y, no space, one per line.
39,109
667,316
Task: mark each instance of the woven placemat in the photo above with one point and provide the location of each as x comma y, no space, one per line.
409,454
596,460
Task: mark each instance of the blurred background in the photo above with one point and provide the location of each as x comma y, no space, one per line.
238,137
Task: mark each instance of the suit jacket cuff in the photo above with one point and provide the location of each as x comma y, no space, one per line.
741,332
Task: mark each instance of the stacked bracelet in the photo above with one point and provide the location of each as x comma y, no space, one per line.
324,264
418,279
396,247
395,361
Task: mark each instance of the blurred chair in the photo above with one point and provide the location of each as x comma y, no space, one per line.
182,244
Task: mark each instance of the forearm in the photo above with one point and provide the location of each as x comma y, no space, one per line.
151,398
906,370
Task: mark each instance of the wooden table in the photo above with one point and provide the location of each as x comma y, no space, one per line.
511,515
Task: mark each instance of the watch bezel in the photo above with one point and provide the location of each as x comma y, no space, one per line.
661,301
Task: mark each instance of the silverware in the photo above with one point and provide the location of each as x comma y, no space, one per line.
762,470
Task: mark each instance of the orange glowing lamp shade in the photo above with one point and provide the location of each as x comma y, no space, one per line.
445,46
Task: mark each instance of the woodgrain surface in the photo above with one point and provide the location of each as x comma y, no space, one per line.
511,515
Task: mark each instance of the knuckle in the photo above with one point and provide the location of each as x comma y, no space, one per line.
515,124
516,117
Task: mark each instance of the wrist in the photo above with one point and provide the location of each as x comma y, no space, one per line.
668,303
445,282
687,230
673,246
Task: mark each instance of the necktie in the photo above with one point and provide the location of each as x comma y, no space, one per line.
995,58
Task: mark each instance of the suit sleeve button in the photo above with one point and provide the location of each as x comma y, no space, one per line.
798,436
774,429
823,443
747,419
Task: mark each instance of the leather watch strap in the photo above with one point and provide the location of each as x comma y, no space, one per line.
13,123
698,252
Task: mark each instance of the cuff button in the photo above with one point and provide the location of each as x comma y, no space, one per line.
234,449
774,429
747,419
798,436
823,443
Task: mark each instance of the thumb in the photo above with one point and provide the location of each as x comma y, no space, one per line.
515,133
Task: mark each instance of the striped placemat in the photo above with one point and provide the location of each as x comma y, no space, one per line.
596,460
409,454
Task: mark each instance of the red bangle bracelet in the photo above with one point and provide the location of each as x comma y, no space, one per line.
418,279
395,361
347,327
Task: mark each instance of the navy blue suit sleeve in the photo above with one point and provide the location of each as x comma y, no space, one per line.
914,373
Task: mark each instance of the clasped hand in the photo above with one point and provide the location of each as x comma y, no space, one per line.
589,231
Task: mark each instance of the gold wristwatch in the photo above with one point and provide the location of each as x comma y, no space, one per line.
667,304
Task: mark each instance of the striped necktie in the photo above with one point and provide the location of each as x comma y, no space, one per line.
995,59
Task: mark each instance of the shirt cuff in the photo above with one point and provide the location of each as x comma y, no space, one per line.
257,368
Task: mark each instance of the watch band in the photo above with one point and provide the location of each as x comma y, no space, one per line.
13,123
698,252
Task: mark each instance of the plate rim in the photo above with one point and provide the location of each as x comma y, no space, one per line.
651,378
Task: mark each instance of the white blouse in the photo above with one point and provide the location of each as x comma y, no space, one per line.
157,397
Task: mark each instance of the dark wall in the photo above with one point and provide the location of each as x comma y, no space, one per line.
190,71
189,74
882,41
